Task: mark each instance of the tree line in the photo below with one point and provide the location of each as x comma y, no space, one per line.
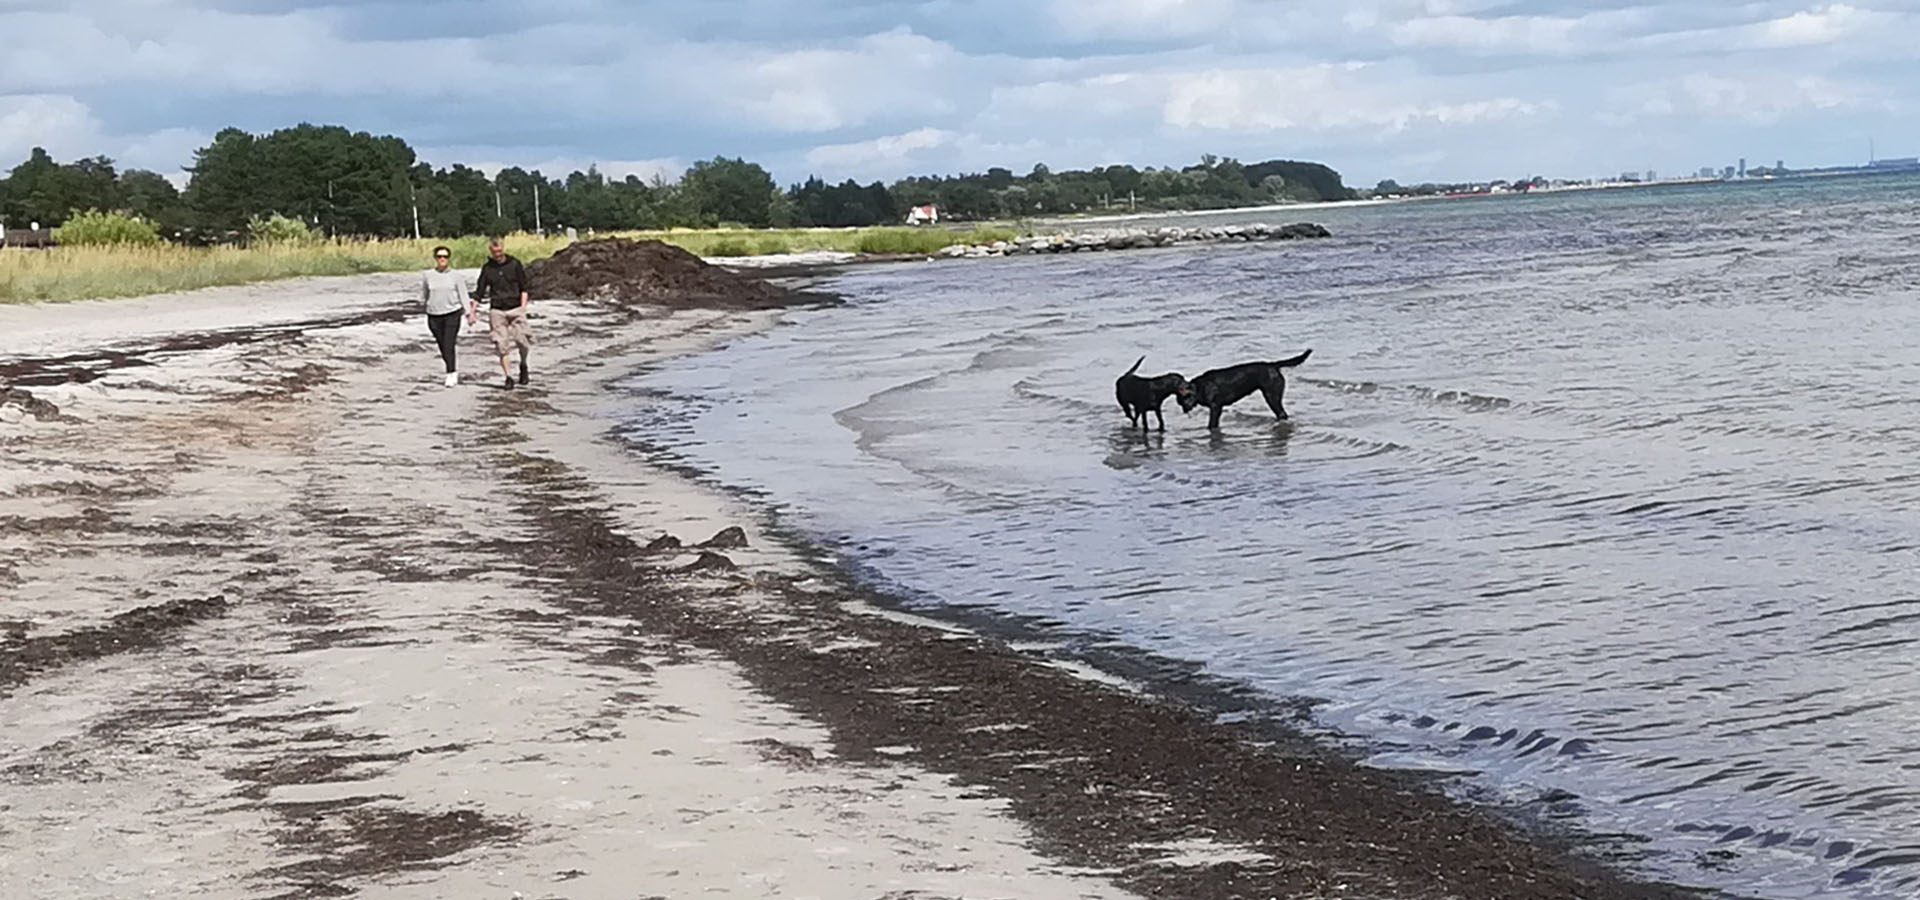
348,183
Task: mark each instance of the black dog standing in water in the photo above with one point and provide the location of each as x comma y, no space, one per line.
1217,389
1139,396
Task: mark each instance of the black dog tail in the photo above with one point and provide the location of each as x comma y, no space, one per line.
1118,395
1290,363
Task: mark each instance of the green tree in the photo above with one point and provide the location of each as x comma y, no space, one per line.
1305,180
345,182
153,198
221,194
19,203
44,191
730,190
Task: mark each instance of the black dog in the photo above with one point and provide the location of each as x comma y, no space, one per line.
1217,389
1139,396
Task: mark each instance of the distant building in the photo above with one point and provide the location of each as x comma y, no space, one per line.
1898,162
1726,172
1743,167
923,215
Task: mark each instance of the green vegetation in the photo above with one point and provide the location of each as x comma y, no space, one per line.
342,183
744,242
279,229
319,200
80,272
94,228
925,240
94,272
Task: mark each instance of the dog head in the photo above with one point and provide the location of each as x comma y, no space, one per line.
1187,397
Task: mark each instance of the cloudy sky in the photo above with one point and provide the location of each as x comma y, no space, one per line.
1406,89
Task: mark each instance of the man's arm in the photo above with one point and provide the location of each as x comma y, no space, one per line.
525,284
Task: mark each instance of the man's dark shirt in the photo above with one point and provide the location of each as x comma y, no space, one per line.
503,281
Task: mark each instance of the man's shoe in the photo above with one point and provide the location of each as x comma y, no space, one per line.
453,378
509,384
523,371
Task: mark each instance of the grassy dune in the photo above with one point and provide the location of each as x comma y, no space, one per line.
85,273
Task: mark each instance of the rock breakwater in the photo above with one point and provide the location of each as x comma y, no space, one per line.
1138,239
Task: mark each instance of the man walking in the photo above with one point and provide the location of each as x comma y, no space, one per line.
503,283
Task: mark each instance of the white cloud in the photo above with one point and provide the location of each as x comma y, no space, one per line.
61,124
893,74
889,150
1508,34
167,151
184,48
1757,98
1823,25
1317,98
961,84
1155,20
68,129
1861,34
1304,99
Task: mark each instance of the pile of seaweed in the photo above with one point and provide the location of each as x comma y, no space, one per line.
652,273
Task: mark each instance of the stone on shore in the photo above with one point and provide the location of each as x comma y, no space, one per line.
1136,239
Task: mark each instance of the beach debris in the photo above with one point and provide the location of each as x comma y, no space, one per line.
1138,239
135,629
730,536
652,273
662,544
709,561
18,403
792,756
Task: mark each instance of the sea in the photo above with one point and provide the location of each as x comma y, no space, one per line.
1605,503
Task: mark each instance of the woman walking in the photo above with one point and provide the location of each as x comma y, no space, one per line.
443,291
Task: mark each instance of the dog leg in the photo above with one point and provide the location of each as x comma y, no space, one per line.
1157,415
1213,417
1273,393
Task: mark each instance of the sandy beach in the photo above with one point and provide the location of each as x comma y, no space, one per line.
285,617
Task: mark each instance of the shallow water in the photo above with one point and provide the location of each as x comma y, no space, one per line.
1606,493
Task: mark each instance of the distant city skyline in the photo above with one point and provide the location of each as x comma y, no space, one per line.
1434,90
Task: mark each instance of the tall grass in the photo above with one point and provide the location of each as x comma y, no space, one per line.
723,242
86,273
925,240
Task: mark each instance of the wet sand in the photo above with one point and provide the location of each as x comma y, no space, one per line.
285,617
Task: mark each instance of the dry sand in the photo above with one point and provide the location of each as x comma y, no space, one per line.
281,616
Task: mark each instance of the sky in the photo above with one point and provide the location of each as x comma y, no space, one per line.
1413,90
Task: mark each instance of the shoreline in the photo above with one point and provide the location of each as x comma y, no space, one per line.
453,656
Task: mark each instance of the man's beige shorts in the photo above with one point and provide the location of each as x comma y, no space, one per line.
509,328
